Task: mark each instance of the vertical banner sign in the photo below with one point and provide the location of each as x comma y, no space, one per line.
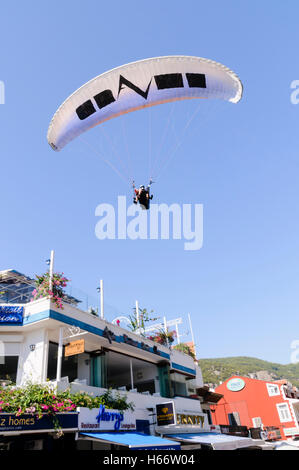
165,414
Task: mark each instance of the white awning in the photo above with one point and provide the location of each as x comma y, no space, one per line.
217,441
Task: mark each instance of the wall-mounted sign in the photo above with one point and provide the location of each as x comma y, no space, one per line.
110,335
104,419
197,420
11,315
75,347
12,423
235,385
165,414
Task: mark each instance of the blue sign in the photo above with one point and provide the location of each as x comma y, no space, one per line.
11,423
11,315
110,416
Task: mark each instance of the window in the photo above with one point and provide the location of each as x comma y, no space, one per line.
257,422
8,368
284,412
234,419
273,390
69,365
179,388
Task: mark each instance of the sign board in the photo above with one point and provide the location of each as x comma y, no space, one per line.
110,335
291,431
75,347
165,414
192,419
9,422
235,385
104,419
174,446
11,315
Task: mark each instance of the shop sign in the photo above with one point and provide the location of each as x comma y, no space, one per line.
75,347
11,315
108,334
197,420
235,385
104,419
291,431
9,422
165,414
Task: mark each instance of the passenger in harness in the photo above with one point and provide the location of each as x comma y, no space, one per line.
142,195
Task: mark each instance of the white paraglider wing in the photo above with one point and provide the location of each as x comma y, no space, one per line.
138,85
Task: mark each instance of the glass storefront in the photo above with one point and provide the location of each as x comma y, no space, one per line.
9,368
128,372
69,366
110,369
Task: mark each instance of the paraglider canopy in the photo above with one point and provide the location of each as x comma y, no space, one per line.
138,85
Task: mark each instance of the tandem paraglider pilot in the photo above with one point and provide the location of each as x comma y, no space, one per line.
142,195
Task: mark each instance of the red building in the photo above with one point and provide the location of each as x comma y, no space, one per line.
258,404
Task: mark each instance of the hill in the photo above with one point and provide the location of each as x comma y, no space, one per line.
217,370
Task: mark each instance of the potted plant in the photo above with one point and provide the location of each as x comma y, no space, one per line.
163,337
185,348
56,293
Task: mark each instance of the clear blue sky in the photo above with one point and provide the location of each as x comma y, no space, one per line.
242,287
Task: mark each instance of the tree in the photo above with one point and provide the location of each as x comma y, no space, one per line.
144,317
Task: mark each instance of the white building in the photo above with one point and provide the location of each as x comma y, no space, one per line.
33,338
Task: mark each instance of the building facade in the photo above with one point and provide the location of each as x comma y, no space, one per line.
270,405
33,341
75,350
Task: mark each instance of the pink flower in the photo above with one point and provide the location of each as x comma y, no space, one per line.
30,410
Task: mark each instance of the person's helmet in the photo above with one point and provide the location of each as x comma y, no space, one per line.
141,186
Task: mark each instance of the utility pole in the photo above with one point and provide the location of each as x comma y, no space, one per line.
102,298
177,334
51,270
192,336
137,316
166,330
